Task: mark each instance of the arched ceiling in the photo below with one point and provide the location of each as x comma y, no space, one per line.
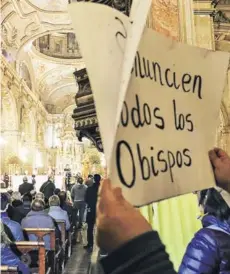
23,23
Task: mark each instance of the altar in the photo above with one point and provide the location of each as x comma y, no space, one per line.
16,181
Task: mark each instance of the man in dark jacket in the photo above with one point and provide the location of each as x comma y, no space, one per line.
91,201
134,248
25,187
48,188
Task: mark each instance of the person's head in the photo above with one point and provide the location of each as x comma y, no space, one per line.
214,204
57,191
10,192
62,196
4,201
38,205
97,178
40,196
50,178
33,176
54,201
80,180
25,179
90,176
89,182
27,197
16,196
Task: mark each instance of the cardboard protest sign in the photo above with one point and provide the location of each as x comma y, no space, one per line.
169,111
103,44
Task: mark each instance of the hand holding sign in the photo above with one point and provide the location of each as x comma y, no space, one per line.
221,165
169,111
117,220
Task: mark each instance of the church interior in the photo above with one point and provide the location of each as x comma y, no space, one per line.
48,120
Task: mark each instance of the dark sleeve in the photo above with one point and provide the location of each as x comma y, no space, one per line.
57,231
87,195
41,188
144,254
201,254
20,189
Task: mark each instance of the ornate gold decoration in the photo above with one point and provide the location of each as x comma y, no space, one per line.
9,36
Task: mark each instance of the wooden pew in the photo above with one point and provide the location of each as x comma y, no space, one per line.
40,233
8,269
71,236
62,225
26,247
65,241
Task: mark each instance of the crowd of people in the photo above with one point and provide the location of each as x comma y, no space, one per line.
25,209
131,245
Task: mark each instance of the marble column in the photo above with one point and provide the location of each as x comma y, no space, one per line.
203,20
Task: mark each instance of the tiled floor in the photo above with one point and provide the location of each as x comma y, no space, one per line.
82,262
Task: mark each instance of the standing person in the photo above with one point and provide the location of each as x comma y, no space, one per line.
91,201
25,187
209,250
48,188
6,180
78,193
34,181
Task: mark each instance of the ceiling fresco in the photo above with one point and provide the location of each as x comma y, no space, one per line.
39,34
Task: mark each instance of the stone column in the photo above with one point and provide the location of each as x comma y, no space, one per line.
204,27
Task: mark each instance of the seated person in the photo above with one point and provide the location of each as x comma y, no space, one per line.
14,227
56,212
40,195
57,191
8,257
38,218
66,205
26,205
13,212
16,199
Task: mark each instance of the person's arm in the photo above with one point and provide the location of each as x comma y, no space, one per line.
201,254
19,234
87,196
144,254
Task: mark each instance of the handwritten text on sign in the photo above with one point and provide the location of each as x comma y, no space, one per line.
168,122
168,115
